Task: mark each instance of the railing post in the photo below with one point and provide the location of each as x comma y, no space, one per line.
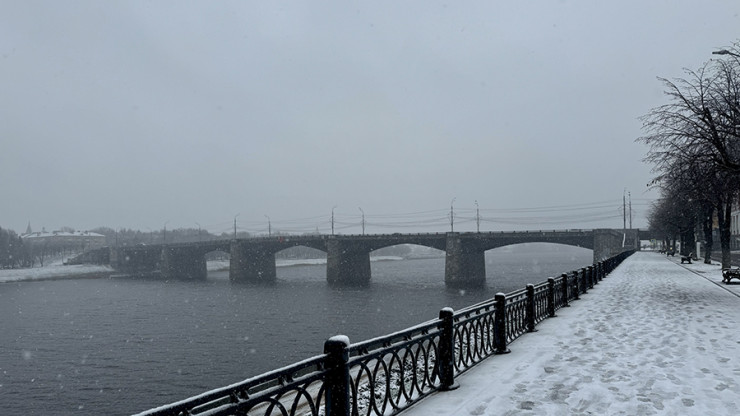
551,297
584,279
337,376
577,285
499,325
530,308
565,291
446,359
591,280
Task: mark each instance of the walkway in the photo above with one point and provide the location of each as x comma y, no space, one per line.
653,338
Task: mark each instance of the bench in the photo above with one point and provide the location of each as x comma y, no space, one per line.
729,274
687,258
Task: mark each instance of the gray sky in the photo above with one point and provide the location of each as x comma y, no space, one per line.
138,114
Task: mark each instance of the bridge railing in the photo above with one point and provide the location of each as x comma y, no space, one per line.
385,375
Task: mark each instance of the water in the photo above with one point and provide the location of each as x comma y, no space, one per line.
118,346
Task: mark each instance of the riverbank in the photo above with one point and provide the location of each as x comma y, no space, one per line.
655,337
55,272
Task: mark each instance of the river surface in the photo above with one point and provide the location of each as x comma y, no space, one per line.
120,346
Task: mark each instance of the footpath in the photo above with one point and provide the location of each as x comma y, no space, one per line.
653,338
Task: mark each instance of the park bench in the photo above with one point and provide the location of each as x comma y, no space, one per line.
687,258
729,274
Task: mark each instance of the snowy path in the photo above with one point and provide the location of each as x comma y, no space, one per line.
652,338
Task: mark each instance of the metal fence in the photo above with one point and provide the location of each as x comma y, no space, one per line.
385,375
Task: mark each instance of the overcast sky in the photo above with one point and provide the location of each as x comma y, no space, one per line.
138,114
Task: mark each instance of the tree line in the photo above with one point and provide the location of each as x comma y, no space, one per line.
694,147
13,253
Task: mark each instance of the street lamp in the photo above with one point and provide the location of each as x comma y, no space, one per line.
452,216
332,219
269,226
363,220
235,225
726,52
477,216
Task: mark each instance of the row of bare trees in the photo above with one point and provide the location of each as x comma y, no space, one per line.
694,146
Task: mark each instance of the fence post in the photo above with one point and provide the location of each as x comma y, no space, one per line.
591,280
584,279
577,285
499,325
551,297
530,308
566,294
446,360
337,377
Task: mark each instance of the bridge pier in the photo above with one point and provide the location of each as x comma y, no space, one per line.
251,263
347,263
135,260
465,263
183,263
609,243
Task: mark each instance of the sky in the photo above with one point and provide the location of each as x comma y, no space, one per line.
199,114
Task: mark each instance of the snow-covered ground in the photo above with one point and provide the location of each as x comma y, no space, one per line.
54,271
653,338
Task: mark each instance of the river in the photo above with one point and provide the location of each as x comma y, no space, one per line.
120,346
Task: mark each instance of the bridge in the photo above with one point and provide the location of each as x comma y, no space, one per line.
348,256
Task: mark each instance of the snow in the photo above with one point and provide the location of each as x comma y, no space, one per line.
652,338
53,271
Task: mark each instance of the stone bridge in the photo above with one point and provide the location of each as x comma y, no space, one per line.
348,256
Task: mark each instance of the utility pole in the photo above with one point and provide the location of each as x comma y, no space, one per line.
629,194
269,226
363,220
477,216
452,216
235,225
164,233
198,230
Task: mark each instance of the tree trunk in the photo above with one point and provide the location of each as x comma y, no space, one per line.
724,215
707,229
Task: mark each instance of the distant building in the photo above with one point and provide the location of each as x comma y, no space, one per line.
76,240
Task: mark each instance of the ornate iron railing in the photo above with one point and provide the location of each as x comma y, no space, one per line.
385,375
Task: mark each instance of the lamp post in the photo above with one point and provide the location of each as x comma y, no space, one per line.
235,225
363,220
269,226
452,216
332,219
477,216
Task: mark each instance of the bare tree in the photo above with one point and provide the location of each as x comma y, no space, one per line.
694,143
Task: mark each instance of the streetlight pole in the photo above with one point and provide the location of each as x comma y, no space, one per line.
269,226
235,225
363,220
477,216
332,219
452,216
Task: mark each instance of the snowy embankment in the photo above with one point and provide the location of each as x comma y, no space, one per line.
54,271
652,338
